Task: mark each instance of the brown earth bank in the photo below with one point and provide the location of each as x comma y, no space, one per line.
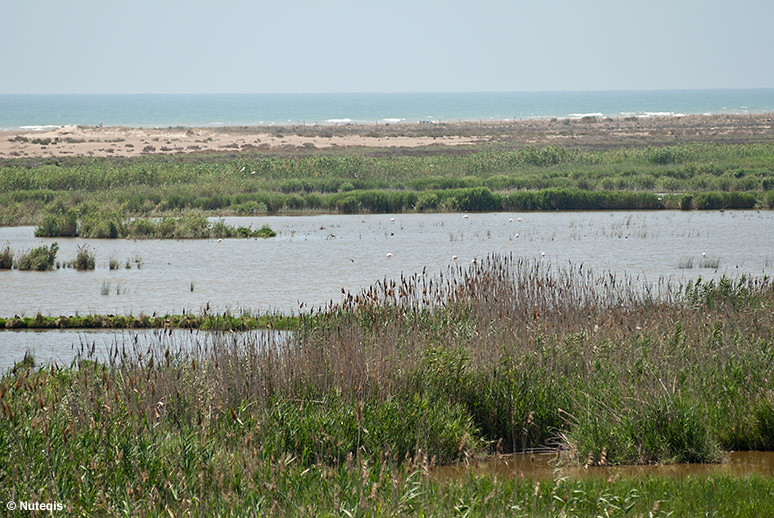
408,138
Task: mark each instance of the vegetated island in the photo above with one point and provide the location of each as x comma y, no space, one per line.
692,162
204,321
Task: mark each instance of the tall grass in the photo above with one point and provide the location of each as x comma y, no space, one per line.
369,393
160,185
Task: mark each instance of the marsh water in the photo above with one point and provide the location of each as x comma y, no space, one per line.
314,258
542,466
60,347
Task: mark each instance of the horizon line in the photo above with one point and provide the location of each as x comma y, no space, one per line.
406,92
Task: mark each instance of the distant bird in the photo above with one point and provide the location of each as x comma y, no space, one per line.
517,236
465,216
220,240
704,254
542,254
252,172
474,261
389,254
454,258
518,219
392,220
351,259
510,220
243,169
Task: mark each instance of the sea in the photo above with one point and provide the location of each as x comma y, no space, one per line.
29,112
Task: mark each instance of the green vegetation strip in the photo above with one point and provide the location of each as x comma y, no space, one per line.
544,178
102,225
223,322
350,412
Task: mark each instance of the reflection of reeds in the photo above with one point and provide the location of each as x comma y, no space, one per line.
685,264
709,263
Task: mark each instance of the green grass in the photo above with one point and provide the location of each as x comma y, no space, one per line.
544,178
350,412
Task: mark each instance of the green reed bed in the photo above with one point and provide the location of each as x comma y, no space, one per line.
254,183
353,409
204,321
89,223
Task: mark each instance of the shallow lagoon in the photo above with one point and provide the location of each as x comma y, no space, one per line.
314,257
62,346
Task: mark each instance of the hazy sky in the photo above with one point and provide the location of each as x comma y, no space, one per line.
224,46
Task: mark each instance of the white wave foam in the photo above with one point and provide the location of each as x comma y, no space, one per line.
339,121
660,114
581,115
43,127
393,121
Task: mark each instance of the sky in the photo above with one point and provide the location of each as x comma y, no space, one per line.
304,46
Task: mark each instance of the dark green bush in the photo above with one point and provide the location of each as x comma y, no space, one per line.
39,259
709,201
6,259
84,259
59,225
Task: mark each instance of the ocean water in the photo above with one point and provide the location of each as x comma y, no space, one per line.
151,110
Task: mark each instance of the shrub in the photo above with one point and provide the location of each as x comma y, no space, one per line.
39,259
264,231
84,259
59,225
6,259
709,201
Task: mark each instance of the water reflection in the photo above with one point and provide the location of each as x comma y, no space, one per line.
61,347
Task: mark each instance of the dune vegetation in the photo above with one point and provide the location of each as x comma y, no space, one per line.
686,176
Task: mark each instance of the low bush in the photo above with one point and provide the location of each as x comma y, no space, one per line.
39,259
6,259
84,259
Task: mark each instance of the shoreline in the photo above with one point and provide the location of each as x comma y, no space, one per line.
590,132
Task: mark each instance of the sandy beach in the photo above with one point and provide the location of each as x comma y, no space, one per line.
588,132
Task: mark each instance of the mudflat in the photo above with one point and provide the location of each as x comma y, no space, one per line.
586,132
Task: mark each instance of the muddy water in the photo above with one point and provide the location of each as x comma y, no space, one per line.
314,257
540,466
